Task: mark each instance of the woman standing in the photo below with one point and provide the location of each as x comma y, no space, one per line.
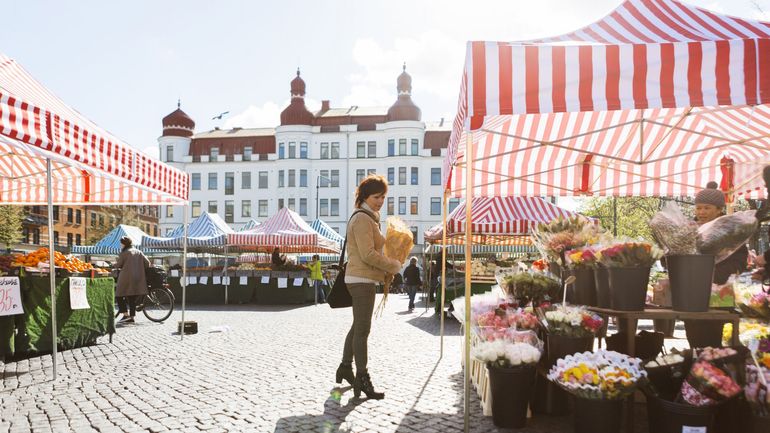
316,276
132,283
366,267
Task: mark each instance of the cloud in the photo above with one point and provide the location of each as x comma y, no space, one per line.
266,116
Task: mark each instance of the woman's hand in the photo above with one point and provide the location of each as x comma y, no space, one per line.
760,261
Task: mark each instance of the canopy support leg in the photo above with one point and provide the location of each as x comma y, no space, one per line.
184,270
443,270
52,266
468,245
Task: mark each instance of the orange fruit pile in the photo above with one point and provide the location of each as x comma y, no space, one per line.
60,261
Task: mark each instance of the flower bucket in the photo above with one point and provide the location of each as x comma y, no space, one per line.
647,344
548,398
598,415
759,424
511,390
690,276
583,290
602,284
628,288
669,417
560,346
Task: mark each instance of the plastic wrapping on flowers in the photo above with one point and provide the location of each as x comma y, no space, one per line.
515,349
756,392
503,322
582,258
564,234
673,231
572,321
751,298
533,287
601,374
724,235
753,330
707,384
399,241
629,254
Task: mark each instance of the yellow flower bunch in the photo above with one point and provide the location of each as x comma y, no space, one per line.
582,373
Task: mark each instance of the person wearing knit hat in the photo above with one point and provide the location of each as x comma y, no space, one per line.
709,203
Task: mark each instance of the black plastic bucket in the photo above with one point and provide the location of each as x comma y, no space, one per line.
511,390
549,398
560,346
628,288
690,277
759,424
668,417
584,288
602,282
597,416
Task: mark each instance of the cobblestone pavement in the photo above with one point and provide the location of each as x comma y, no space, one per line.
250,368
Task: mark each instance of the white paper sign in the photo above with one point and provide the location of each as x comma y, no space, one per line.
265,279
310,282
193,280
217,280
283,283
10,296
688,429
175,272
78,298
226,281
298,282
204,280
243,281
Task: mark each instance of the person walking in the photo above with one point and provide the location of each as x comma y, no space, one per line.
132,281
412,281
435,273
366,267
316,276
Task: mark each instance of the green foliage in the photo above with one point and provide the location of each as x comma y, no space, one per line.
126,215
633,214
534,287
11,218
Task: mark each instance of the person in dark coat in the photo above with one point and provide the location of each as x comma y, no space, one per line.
277,259
412,281
132,281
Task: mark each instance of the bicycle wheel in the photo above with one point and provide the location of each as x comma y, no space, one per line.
158,305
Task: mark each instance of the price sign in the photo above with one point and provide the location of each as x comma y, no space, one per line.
78,298
10,296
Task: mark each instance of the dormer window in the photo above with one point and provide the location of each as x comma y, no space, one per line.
213,154
247,153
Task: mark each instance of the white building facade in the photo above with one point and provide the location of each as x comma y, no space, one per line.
311,163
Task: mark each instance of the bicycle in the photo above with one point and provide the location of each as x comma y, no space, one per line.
158,303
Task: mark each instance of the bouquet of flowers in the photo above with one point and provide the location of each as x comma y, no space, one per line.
630,255
504,353
500,322
598,375
751,298
756,390
581,258
726,234
540,265
673,231
707,384
533,287
564,234
398,243
572,321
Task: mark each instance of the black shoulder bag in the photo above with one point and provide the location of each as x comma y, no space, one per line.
339,296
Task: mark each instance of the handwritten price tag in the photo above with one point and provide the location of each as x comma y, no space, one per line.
10,296
78,298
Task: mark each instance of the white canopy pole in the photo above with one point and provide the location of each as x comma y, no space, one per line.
52,264
468,244
184,269
443,269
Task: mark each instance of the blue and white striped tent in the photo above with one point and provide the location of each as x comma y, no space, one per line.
324,230
110,244
250,225
206,231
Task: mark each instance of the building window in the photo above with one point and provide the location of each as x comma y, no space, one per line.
324,150
280,203
246,208
169,211
247,152
453,203
280,178
101,220
195,184
335,151
263,208
70,215
435,205
391,147
303,206
391,176
213,154
361,149
212,181
371,149
292,204
415,147
371,171
334,207
402,205
212,206
292,150
435,176
360,174
170,153
195,209
78,216
292,178
229,211
93,219
229,183
281,151
324,179
78,239
402,146
335,178
390,206
246,180
25,235
402,175
262,180
155,231
413,206
324,207
56,213
415,175
303,150
303,178
414,233
69,240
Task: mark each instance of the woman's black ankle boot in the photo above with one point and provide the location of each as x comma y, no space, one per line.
345,371
364,383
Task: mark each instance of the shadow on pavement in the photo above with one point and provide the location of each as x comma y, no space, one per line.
431,324
330,420
245,307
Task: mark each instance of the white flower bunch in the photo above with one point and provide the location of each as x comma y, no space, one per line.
505,353
573,316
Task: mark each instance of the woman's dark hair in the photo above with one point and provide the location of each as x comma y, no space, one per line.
372,184
126,242
316,257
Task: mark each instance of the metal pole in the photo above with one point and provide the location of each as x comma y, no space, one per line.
184,270
317,191
614,216
225,269
52,265
443,269
468,244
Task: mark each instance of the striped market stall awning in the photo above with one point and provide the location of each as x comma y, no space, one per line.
110,244
286,230
657,98
324,230
206,231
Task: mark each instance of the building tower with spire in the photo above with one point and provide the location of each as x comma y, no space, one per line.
178,129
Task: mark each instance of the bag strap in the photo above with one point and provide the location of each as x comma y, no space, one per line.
345,244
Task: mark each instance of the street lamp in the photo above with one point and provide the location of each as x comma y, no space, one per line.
318,192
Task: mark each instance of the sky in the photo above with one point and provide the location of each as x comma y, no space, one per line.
124,65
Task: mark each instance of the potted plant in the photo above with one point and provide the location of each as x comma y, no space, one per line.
599,381
534,287
628,265
581,263
511,367
571,329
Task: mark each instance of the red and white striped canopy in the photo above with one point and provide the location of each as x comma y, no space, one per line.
90,165
656,98
498,220
286,230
